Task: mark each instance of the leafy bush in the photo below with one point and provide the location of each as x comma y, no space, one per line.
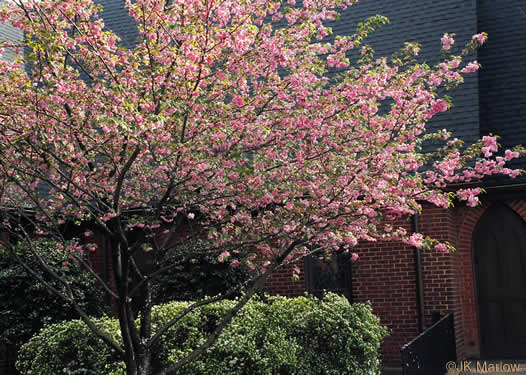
277,335
26,303
70,348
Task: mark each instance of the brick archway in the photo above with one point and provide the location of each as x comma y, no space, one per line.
467,332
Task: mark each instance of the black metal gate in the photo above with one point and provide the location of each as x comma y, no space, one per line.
428,353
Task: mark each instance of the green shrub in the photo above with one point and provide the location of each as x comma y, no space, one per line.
277,335
70,348
27,305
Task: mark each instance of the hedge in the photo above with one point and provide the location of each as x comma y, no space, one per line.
273,335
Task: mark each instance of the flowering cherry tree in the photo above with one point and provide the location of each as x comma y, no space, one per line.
223,118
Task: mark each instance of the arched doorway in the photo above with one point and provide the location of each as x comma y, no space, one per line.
499,259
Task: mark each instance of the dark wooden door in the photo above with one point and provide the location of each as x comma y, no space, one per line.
499,247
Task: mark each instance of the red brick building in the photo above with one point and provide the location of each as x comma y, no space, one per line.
386,275
484,282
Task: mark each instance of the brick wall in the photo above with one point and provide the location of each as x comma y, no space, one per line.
437,267
282,283
385,275
468,338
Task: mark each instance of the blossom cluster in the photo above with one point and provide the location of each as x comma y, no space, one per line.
223,119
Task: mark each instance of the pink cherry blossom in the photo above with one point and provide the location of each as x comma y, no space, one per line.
447,41
440,106
416,239
220,125
471,67
469,195
454,64
441,247
481,38
509,155
223,256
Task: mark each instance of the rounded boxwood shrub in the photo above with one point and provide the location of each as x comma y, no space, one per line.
70,348
273,335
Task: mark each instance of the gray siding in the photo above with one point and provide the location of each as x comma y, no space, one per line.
10,34
425,22
503,77
117,19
